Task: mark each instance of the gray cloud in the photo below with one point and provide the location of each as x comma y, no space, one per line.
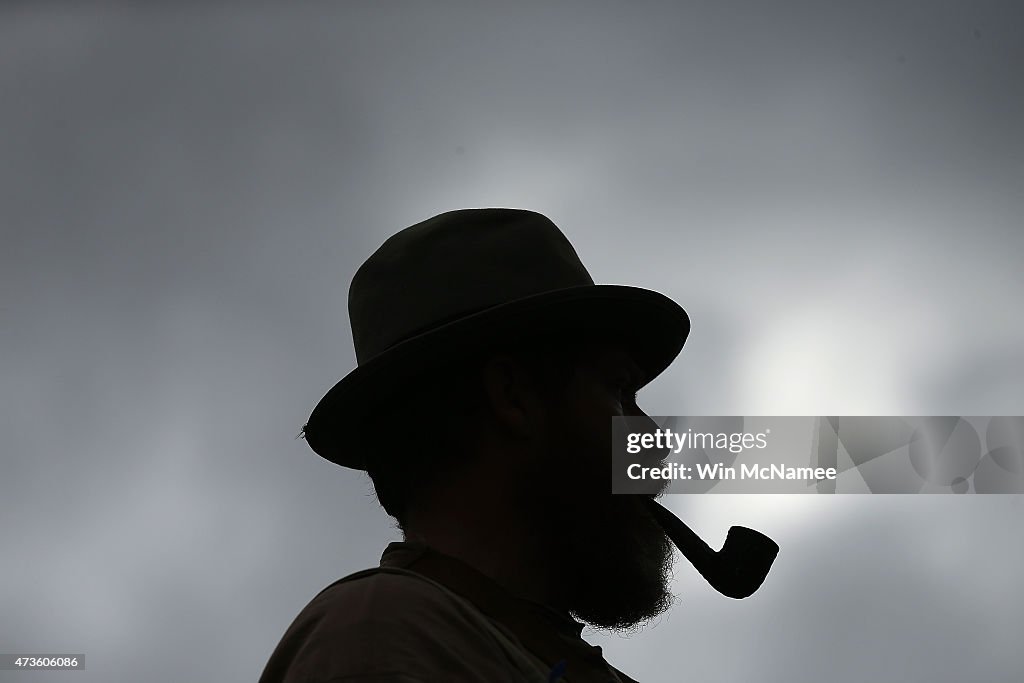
832,192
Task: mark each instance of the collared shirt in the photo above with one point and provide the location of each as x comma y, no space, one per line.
423,616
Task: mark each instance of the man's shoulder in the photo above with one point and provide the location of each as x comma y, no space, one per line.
384,599
385,621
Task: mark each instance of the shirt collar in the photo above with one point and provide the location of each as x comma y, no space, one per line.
470,583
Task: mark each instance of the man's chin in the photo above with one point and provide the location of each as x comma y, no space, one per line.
622,572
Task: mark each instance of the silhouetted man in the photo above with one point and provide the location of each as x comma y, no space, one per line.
489,366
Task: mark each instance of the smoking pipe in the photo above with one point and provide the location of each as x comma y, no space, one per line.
737,570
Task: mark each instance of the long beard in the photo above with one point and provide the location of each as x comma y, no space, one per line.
610,558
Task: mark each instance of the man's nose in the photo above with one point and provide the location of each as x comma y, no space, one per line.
646,424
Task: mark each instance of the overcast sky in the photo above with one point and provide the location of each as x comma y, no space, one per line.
835,195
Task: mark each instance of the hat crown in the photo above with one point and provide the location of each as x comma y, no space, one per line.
453,265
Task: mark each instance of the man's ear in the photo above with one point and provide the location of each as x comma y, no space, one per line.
512,398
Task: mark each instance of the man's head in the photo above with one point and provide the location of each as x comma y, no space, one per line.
439,314
530,424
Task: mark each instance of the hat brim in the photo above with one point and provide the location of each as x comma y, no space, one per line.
652,328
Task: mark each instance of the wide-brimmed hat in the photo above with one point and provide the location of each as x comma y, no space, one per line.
465,280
